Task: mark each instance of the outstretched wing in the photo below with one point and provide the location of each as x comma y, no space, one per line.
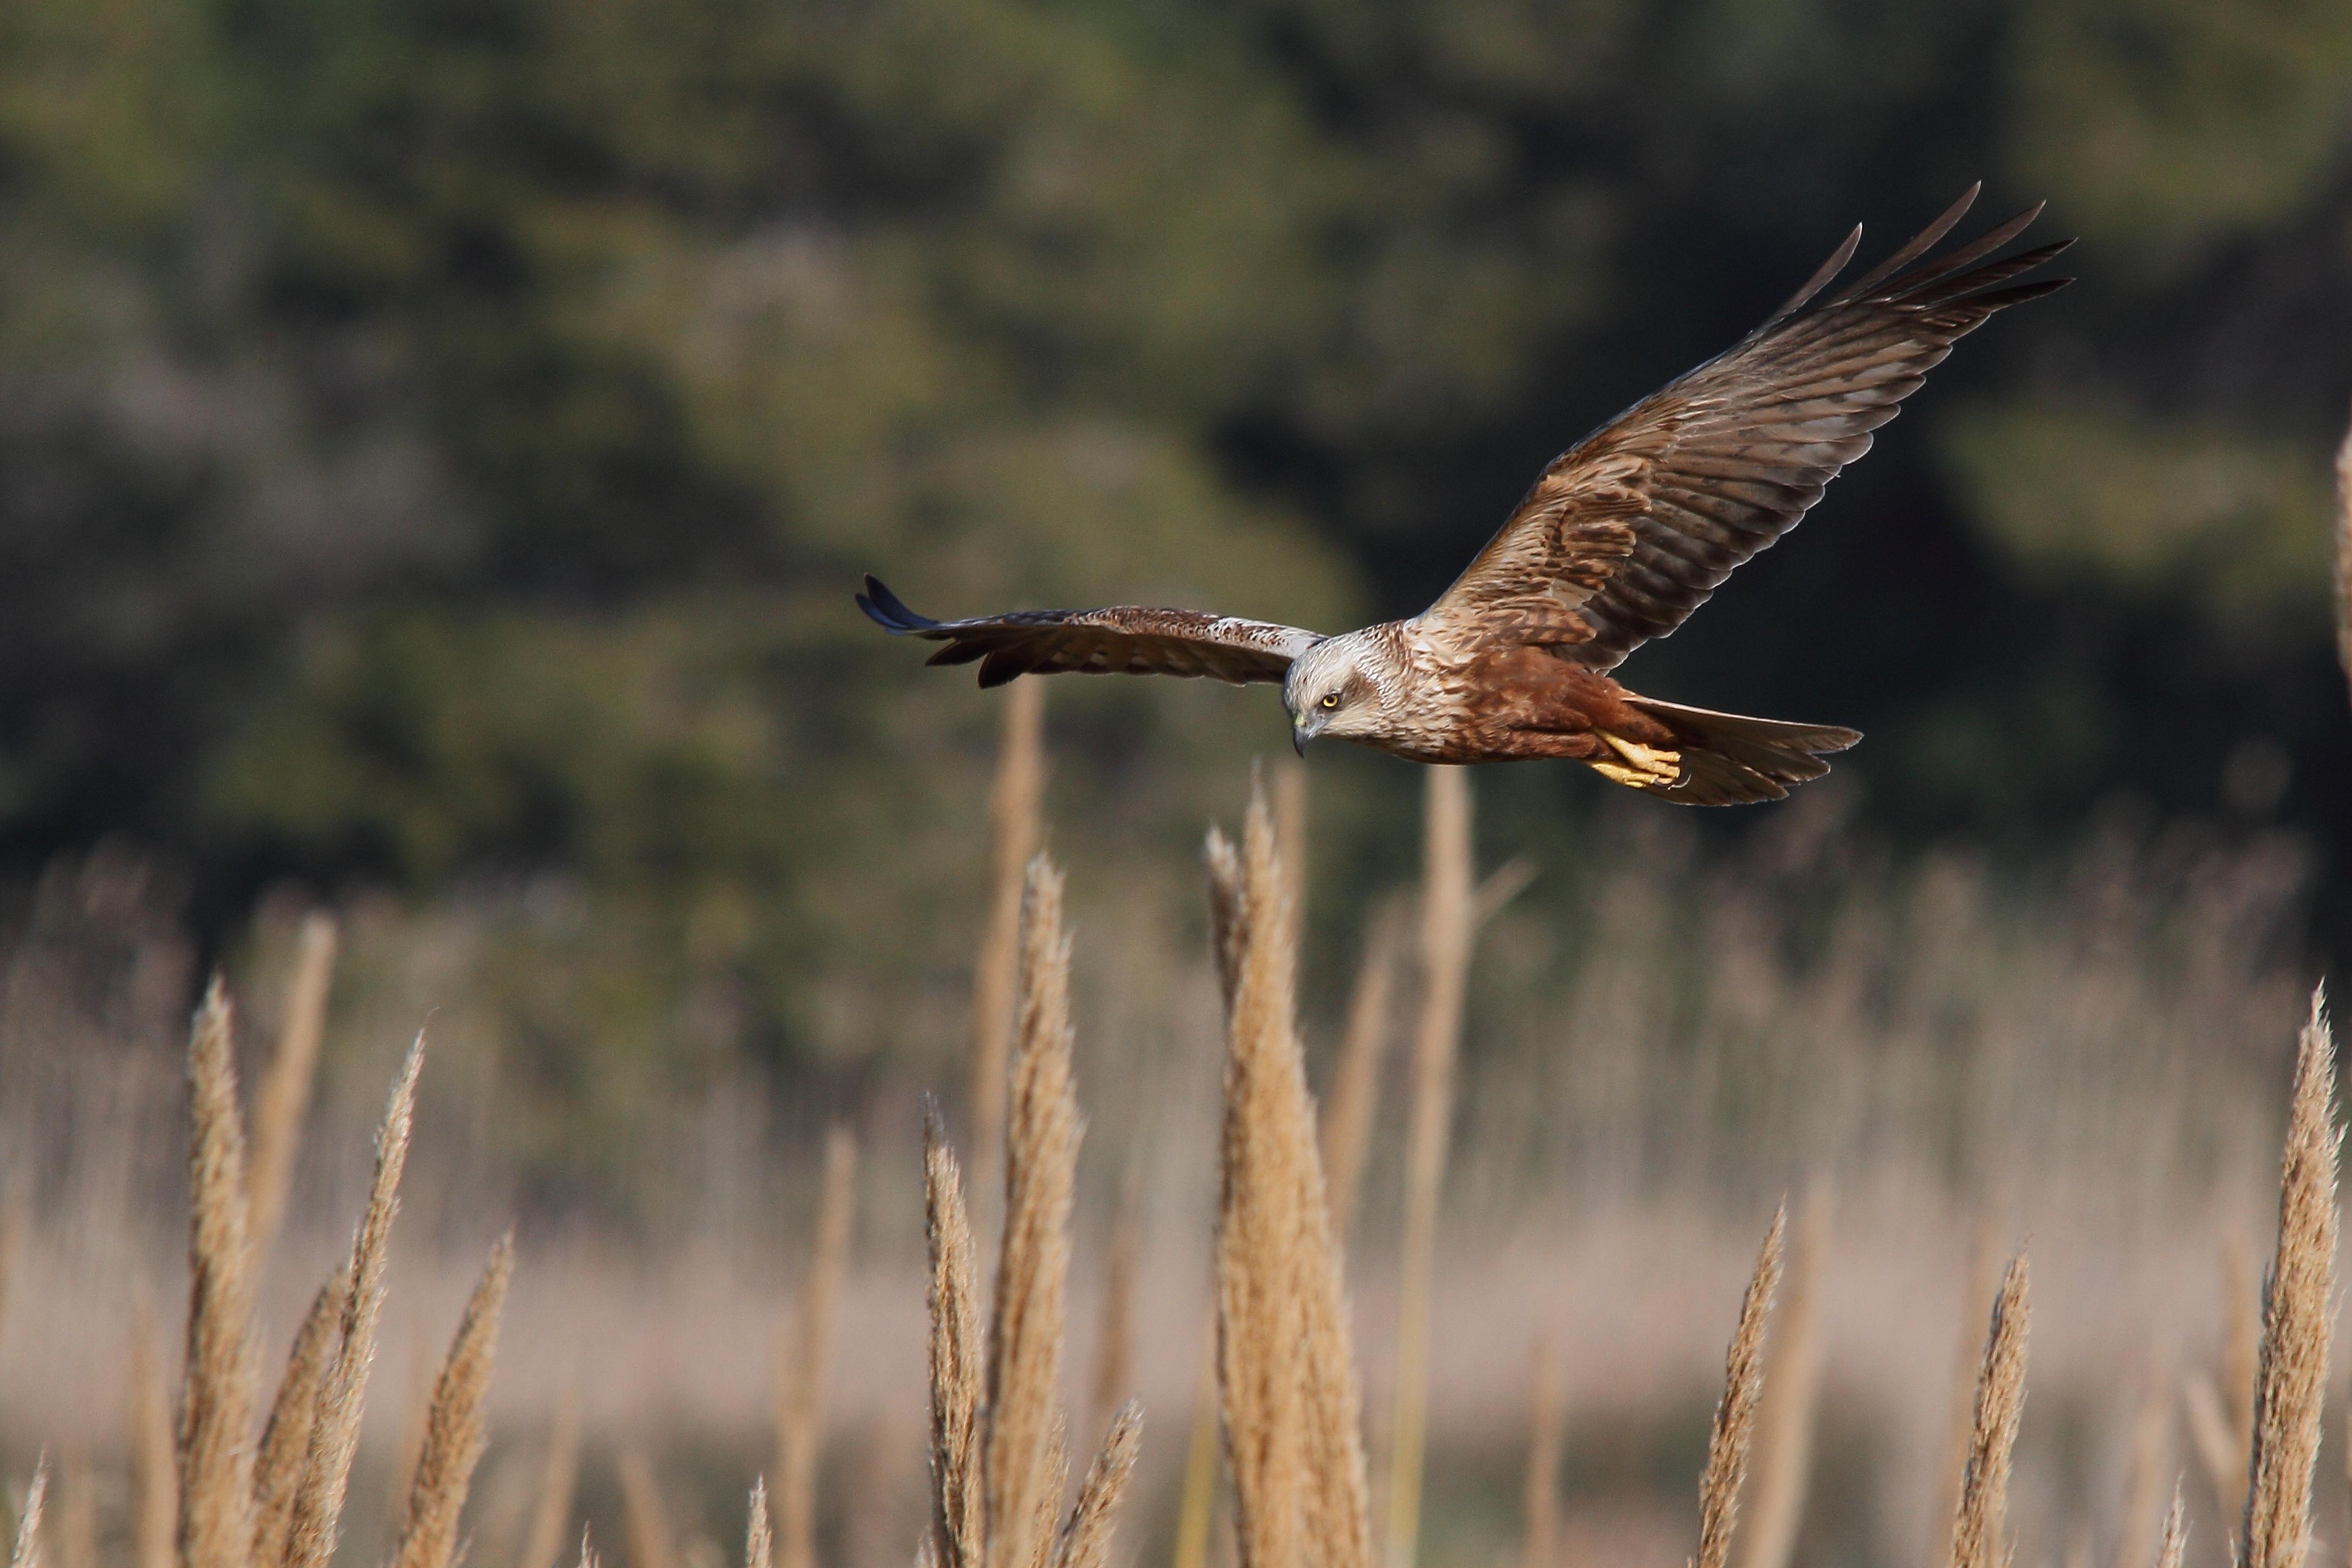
1629,532
1126,639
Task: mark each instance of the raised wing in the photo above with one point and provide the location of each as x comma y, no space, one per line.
1126,639
1630,530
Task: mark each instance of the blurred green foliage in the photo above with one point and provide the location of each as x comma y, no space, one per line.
437,440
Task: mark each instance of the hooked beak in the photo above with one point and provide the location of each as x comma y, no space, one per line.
1299,733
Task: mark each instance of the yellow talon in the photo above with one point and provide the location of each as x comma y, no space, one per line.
1659,763
1627,776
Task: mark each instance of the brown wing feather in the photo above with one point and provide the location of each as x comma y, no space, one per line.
1629,532
1125,639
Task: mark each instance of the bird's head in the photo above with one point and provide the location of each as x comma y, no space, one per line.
1335,688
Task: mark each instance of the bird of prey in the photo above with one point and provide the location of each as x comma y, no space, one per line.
1620,538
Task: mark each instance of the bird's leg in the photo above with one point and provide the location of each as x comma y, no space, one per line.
1643,765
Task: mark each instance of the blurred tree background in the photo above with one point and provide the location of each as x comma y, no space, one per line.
438,440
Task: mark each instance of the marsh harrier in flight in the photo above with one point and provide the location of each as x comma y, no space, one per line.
1620,538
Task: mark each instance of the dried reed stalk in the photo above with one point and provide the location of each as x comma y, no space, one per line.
1540,1488
759,1539
1197,1500
1354,1097
1085,1540
284,1095
1735,1416
454,1432
77,1514
1014,813
1292,1418
2344,556
1041,1153
799,1384
958,1494
26,1553
215,1525
2176,1534
1982,1517
315,1526
1985,1262
2143,1476
1114,1345
2290,1382
643,1517
559,1478
1445,933
286,1436
1784,1422
154,1466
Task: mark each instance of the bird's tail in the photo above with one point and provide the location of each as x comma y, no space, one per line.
1723,759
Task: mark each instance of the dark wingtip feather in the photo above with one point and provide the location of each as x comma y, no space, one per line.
886,610
1822,277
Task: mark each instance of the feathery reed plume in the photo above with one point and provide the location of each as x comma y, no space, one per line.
1353,1098
759,1540
1735,1416
2290,1382
1114,1346
2217,1451
559,1477
1041,1155
285,1091
799,1382
1085,1540
77,1514
1014,817
316,1523
1197,1501
26,1553
643,1517
2242,1349
2344,556
154,1466
1985,1262
2143,1478
1539,1489
2176,1534
1293,1422
959,1496
215,1527
1984,1514
454,1434
1784,1421
416,1417
286,1436
1445,933
1291,832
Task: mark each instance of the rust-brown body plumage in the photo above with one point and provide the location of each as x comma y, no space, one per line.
1618,540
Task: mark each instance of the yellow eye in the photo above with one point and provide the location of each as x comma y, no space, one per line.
1331,700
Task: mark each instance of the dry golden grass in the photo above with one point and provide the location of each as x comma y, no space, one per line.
455,1434
1540,1487
316,1522
644,1519
1983,1519
1085,1539
2291,1379
285,1434
1734,1415
1784,1421
26,1552
1985,1263
2175,1541
1014,821
958,1492
1196,1501
559,1478
1352,1100
215,1461
804,1349
1292,1410
284,1094
154,1466
1446,927
759,1539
